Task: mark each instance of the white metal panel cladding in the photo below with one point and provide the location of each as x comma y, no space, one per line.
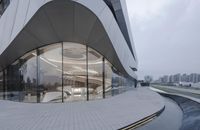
98,7
124,8
21,13
9,17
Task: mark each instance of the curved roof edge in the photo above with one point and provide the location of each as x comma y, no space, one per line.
102,13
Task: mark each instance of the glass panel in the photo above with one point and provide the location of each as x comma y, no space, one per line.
20,78
122,83
13,82
6,80
28,77
130,84
1,85
74,72
50,73
118,83
95,74
108,79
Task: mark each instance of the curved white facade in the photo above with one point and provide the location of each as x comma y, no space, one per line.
30,24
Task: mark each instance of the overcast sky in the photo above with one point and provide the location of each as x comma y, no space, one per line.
166,35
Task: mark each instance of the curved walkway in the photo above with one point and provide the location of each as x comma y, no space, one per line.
190,107
172,115
191,112
191,94
107,114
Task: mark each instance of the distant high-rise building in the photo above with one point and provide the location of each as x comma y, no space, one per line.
166,79
193,78
198,77
184,78
171,78
177,78
190,77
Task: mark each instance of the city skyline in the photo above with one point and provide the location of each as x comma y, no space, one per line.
179,77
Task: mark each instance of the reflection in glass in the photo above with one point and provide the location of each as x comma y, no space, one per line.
74,71
118,83
95,76
28,77
1,85
13,85
108,78
59,72
50,73
5,82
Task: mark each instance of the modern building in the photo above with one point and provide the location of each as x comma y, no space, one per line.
65,50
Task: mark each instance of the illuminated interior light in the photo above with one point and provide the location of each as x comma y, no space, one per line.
77,95
77,62
34,54
77,69
64,72
46,60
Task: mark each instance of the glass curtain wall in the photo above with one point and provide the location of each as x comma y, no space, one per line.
62,72
5,83
28,77
74,72
117,83
13,82
1,85
108,78
50,73
95,74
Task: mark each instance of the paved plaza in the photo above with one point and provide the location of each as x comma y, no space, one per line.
111,113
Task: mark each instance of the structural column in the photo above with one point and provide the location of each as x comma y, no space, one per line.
87,80
4,85
103,76
62,74
38,75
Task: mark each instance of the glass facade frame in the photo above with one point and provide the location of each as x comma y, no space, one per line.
1,86
68,72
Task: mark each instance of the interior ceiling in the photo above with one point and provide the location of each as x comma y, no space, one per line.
59,21
74,59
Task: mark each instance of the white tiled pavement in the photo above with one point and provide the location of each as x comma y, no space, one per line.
106,114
